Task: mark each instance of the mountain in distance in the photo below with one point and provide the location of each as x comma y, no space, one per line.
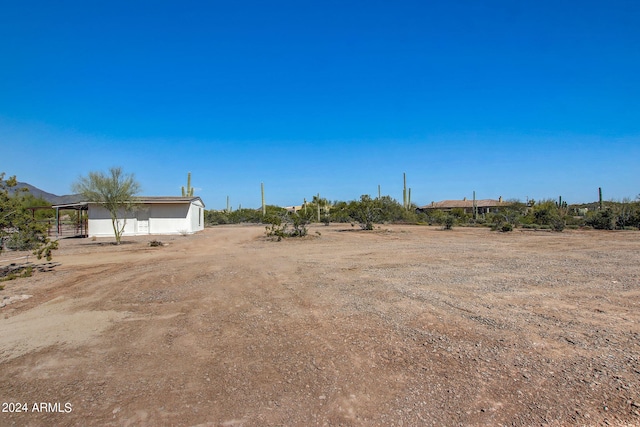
51,198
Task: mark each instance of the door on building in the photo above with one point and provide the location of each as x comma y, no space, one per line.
143,221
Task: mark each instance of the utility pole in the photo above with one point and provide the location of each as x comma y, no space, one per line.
264,208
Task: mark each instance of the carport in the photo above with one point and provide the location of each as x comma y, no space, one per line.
81,226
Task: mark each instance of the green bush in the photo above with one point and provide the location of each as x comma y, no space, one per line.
436,217
557,224
24,240
449,222
286,225
212,217
506,227
365,212
601,220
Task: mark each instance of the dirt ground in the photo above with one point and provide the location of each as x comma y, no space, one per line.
402,326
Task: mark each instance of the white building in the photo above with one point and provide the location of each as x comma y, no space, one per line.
153,215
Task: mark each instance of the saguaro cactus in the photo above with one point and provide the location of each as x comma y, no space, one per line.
189,191
404,190
264,207
600,196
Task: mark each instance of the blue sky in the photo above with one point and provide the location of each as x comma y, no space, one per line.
507,98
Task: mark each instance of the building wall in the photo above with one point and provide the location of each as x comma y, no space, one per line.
100,222
171,218
196,215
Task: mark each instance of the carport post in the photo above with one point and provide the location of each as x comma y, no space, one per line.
57,222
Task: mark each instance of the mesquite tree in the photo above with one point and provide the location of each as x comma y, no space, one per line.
115,191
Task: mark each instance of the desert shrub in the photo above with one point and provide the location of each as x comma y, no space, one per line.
571,220
436,217
299,226
627,214
544,211
286,225
449,222
23,240
239,216
29,201
460,215
212,217
340,212
245,215
601,220
365,212
557,224
506,227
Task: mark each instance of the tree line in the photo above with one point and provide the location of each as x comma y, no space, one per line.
367,211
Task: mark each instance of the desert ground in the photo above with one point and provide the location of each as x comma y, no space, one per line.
400,326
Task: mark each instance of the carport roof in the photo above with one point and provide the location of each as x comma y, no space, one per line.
77,206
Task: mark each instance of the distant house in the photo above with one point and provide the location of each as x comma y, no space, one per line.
154,215
294,209
483,206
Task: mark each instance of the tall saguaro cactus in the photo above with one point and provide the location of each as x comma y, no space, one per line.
600,197
264,207
189,190
404,190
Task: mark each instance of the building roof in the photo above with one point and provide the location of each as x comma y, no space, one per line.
143,200
168,199
451,204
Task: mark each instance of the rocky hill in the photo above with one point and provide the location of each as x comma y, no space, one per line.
49,197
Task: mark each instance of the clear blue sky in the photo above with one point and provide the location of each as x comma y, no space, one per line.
508,98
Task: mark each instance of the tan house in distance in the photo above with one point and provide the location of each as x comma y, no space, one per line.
483,206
